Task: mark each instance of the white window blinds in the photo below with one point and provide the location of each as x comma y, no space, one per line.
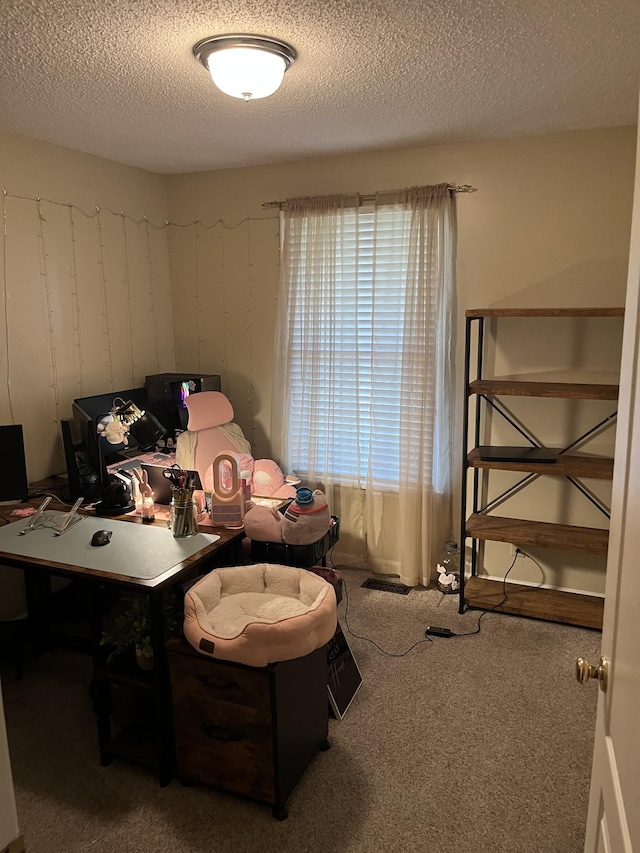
360,328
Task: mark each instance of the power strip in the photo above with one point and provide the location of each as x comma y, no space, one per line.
433,631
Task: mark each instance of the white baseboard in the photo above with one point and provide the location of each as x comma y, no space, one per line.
543,586
15,846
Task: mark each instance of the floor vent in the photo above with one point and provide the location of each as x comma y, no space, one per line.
387,586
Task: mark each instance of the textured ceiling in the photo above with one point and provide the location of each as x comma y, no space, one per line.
117,78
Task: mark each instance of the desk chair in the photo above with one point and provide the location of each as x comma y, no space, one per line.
210,431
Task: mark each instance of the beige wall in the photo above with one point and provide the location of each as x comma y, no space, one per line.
549,226
85,300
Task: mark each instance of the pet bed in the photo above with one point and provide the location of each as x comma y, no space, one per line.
259,614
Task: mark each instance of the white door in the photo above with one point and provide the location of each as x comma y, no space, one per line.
613,824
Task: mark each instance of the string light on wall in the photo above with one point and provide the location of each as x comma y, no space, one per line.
245,66
63,239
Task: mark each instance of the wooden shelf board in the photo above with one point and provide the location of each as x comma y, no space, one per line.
556,390
551,605
545,312
538,534
566,465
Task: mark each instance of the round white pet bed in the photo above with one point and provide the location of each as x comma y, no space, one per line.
259,614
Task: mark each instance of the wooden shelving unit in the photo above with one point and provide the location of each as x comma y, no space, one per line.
480,524
557,390
588,467
550,604
538,534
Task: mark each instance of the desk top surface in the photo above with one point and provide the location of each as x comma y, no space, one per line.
142,555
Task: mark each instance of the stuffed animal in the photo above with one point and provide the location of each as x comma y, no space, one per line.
262,523
307,518
268,480
113,431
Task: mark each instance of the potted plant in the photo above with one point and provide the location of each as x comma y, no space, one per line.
132,628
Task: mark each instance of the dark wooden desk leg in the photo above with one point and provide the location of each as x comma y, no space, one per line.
101,697
37,587
164,713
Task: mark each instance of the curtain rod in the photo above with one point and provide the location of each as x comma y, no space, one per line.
368,199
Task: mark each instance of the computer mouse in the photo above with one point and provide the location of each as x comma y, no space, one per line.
101,537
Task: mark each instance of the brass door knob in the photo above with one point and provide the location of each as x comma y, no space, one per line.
586,670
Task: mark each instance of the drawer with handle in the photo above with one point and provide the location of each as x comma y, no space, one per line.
205,679
225,745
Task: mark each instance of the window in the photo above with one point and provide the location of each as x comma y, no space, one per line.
364,341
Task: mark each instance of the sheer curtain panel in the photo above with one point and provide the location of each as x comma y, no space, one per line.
362,389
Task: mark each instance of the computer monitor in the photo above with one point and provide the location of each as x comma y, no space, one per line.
86,454
13,482
167,394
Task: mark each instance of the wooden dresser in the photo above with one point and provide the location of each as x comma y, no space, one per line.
250,730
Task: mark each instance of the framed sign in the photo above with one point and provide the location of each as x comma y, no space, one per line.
343,676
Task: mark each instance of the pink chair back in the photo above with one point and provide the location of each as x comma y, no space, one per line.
207,411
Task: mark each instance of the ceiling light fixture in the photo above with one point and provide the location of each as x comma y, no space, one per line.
245,66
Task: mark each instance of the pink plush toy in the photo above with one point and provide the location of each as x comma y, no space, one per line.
262,523
307,518
269,482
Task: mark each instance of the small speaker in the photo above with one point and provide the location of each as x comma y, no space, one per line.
13,482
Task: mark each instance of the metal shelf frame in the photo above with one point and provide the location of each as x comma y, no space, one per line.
475,341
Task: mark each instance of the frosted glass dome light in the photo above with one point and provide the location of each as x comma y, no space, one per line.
244,72
245,66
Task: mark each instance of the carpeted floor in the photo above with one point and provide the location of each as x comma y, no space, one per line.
477,744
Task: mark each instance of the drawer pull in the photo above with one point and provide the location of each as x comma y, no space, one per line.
222,734
228,685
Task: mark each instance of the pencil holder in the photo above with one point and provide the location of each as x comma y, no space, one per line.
183,517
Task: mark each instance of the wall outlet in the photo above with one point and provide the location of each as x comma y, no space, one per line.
516,552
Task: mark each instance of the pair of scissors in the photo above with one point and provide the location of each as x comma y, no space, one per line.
174,473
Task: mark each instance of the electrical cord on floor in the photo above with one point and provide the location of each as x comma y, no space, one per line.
359,636
431,631
368,639
495,606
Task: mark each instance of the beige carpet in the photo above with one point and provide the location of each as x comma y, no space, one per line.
479,744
